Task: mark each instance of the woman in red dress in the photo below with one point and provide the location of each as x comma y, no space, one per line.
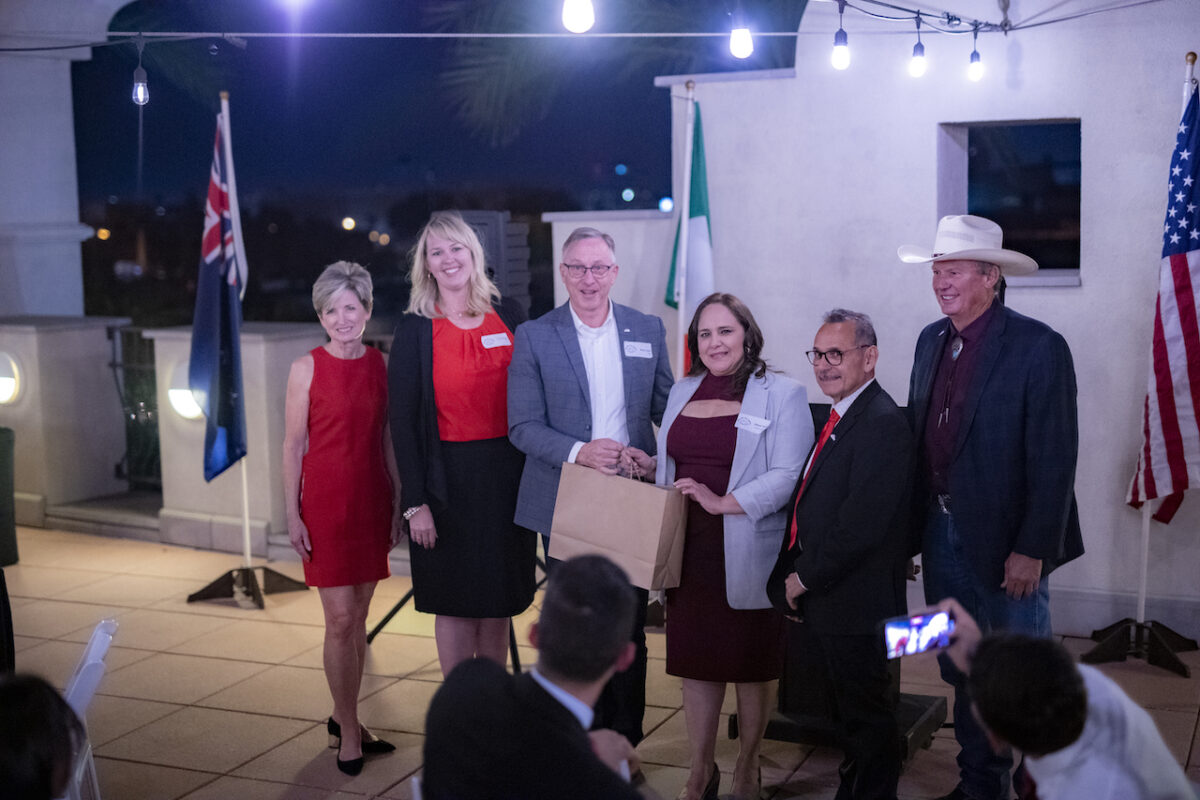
447,389
342,488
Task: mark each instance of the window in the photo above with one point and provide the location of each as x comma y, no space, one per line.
1025,176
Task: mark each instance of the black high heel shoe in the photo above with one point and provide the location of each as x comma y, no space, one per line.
371,744
351,766
714,783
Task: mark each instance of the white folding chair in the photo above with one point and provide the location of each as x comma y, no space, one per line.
79,692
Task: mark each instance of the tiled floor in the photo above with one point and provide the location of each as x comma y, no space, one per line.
207,701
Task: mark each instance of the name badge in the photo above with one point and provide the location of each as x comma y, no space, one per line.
751,423
638,350
495,340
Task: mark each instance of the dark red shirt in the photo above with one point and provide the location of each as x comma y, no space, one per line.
950,386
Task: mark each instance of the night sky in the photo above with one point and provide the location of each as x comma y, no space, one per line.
339,124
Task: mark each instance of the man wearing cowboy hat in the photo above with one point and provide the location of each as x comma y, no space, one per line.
992,401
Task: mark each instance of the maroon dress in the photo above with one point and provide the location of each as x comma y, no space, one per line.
706,639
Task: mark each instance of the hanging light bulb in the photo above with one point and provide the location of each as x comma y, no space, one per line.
141,91
741,43
840,57
578,16
975,68
916,65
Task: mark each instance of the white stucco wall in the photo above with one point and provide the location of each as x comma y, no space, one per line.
815,180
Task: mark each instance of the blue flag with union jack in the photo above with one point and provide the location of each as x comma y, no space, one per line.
215,370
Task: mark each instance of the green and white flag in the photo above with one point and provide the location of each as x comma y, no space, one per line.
699,261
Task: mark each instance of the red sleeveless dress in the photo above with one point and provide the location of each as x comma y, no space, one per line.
345,495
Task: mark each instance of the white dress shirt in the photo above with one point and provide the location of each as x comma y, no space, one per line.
601,348
580,709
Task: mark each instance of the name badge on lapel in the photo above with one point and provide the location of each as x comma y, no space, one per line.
751,423
495,340
638,350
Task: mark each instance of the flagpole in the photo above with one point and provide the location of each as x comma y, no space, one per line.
685,213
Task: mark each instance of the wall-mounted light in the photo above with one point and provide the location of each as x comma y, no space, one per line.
10,379
180,394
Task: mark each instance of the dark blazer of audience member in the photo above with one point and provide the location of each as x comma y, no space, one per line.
490,735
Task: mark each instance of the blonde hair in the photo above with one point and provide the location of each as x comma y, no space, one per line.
338,276
423,298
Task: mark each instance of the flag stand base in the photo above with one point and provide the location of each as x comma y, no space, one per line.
242,585
1153,641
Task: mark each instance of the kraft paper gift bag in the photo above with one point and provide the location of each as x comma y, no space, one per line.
637,525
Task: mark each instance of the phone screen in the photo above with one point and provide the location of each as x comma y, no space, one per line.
904,636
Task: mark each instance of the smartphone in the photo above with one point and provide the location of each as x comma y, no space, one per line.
904,636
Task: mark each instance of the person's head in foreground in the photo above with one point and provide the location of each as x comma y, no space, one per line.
39,736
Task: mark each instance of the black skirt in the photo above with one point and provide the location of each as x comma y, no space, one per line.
482,564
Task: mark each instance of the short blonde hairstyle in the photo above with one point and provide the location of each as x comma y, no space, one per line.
338,276
423,298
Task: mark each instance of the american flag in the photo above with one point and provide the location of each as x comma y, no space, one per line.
1169,461
215,369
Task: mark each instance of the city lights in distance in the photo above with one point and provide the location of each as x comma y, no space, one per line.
627,195
103,234
348,223
384,239
373,236
666,205
620,169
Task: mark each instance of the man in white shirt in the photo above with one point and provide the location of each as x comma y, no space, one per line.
1083,738
586,380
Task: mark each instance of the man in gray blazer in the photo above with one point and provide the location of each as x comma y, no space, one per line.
586,380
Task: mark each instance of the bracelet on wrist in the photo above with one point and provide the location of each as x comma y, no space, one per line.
411,512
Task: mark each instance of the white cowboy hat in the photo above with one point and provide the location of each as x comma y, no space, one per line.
970,238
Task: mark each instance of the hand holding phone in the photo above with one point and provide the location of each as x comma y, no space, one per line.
904,636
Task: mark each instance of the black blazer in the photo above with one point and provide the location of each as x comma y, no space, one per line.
852,523
412,410
494,736
1012,480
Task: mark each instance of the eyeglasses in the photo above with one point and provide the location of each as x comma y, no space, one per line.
832,357
577,271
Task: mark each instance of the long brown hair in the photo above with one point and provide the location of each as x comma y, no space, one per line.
752,362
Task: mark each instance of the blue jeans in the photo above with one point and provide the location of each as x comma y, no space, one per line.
983,775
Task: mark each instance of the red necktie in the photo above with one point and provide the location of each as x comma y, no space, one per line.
824,437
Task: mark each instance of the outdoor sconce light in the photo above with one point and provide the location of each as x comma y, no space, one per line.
180,394
10,379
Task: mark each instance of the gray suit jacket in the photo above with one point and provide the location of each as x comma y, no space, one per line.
549,409
765,467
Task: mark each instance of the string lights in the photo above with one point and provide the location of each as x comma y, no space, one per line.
141,91
741,43
578,16
916,65
975,67
840,57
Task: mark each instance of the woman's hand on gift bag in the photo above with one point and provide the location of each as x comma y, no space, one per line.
708,500
636,463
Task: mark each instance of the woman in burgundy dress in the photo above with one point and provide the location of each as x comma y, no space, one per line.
448,390
735,437
341,488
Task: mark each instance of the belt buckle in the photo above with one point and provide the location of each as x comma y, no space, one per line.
943,501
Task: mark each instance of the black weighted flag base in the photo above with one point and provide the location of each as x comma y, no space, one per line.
1153,641
242,585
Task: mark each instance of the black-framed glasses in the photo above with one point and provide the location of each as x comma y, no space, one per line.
577,271
832,357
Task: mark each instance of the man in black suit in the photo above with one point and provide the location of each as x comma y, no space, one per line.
842,566
493,736
992,399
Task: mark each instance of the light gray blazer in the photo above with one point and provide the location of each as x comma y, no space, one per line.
549,406
764,472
